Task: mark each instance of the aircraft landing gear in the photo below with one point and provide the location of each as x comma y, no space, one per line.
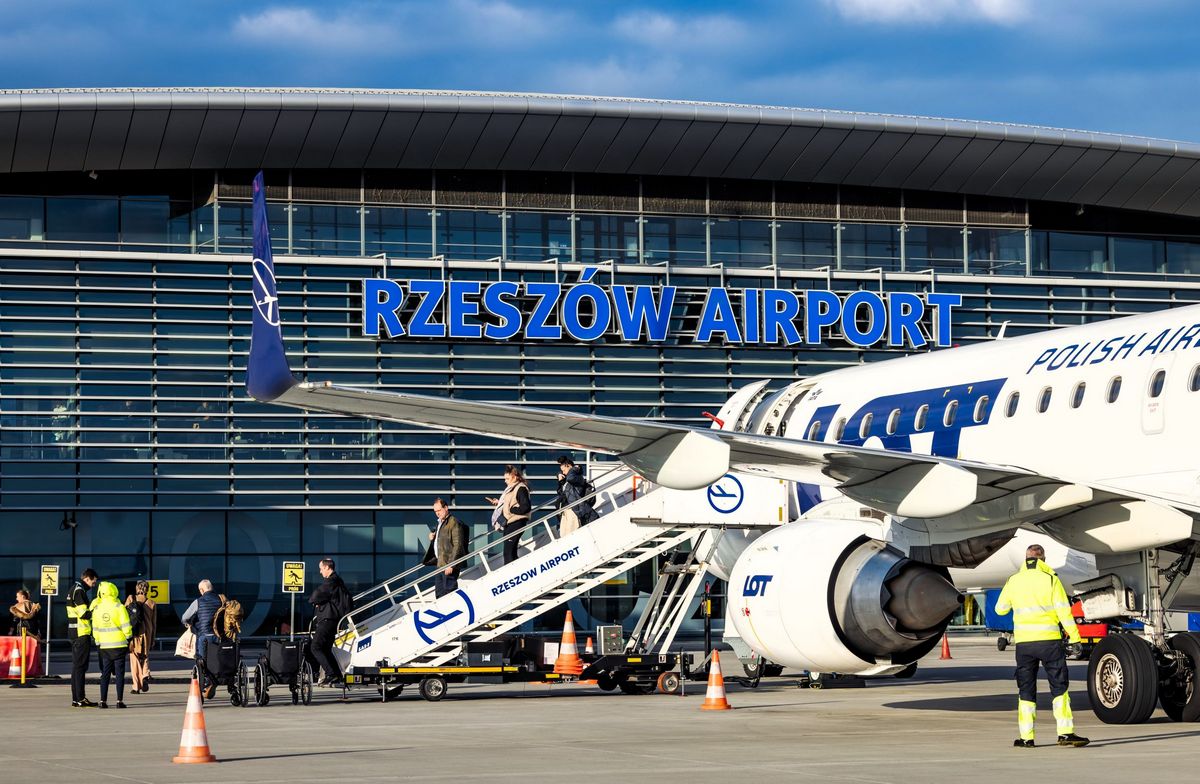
1129,675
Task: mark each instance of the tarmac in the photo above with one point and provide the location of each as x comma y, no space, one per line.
953,722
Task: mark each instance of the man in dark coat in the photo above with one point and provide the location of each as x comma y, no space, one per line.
330,601
447,544
572,486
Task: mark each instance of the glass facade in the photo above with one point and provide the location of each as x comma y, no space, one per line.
127,442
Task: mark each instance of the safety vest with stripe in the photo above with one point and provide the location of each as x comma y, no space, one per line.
78,612
110,619
1039,604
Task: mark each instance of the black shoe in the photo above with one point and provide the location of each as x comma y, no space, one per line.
1071,739
84,703
1023,744
135,691
104,705
120,704
146,686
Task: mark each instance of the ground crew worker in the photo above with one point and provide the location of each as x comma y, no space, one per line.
1039,605
79,630
111,630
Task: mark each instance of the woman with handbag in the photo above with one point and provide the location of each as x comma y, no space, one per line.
515,508
142,641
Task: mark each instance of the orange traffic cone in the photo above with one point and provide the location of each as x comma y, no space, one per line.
945,648
193,743
14,662
589,649
714,698
568,661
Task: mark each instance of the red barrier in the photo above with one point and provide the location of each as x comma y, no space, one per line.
10,657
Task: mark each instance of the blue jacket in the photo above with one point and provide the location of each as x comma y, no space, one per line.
206,608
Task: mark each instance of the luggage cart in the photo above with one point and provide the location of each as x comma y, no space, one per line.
222,665
285,662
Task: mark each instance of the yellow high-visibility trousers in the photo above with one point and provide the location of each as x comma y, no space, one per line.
1026,716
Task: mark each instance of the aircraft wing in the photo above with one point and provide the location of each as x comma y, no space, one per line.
950,499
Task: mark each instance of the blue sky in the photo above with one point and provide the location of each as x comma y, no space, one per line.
1107,65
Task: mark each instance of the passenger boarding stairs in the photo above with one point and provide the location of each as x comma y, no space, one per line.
402,623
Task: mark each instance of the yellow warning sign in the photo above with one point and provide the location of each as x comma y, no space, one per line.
160,591
49,579
293,576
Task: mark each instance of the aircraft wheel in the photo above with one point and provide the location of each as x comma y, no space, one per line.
1122,680
1180,697
432,688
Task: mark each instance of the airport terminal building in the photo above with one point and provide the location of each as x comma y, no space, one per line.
128,443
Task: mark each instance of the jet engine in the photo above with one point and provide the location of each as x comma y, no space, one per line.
827,596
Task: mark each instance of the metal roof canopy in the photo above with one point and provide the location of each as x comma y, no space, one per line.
236,128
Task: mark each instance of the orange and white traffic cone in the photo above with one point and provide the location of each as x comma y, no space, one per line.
714,698
193,743
589,649
14,662
568,661
945,647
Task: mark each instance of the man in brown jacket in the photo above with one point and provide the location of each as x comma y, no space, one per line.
446,545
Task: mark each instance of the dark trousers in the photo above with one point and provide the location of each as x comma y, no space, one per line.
321,649
510,544
1051,655
445,583
81,657
112,667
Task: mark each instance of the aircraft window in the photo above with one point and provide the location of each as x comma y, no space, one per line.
1114,389
839,429
1156,382
1013,399
893,421
1077,396
1194,384
919,422
951,410
814,431
864,429
981,409
1044,400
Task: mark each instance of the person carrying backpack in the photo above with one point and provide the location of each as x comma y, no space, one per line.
331,601
572,486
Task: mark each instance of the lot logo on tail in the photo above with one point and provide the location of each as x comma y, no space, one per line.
756,584
265,298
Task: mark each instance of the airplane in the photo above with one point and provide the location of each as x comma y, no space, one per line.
907,468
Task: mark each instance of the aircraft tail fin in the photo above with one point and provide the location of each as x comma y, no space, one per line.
267,373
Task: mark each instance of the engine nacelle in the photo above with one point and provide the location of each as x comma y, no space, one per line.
824,595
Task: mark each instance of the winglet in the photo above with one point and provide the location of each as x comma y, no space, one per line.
267,373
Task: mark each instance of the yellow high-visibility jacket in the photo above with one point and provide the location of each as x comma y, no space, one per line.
1039,605
110,619
79,618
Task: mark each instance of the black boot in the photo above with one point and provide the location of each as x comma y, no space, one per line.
1071,739
1023,744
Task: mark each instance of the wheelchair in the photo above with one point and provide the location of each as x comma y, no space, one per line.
222,665
285,662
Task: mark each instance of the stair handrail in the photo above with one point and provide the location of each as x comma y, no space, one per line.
344,629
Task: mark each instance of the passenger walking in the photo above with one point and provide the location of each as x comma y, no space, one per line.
515,508
1039,605
331,600
199,616
79,629
572,486
24,613
111,631
447,544
143,636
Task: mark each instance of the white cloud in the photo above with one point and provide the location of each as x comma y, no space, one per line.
289,26
1005,12
662,31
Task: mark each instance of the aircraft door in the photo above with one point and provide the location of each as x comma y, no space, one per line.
1154,396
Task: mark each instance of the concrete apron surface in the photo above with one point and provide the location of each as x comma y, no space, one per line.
954,722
